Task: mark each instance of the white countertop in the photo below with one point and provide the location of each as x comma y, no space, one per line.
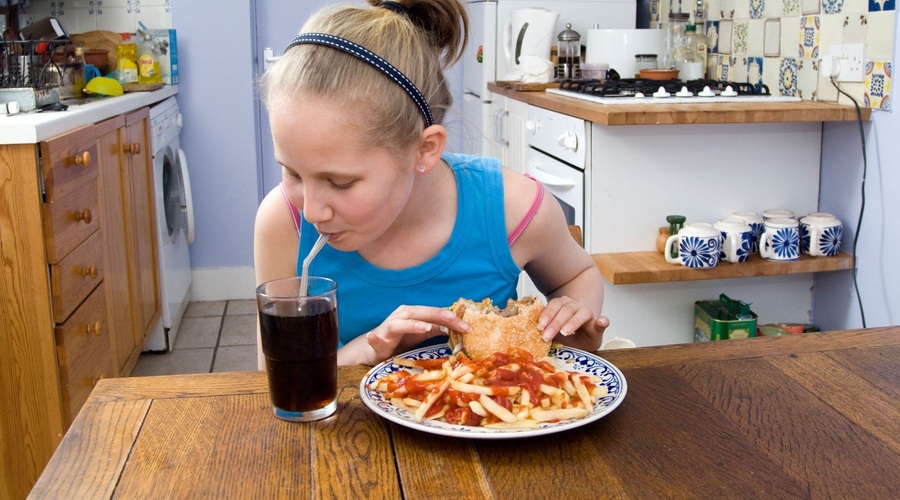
33,127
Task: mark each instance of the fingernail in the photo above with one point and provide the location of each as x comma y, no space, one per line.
464,327
542,323
547,335
446,314
425,327
565,331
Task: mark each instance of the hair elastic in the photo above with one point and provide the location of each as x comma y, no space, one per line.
371,58
396,7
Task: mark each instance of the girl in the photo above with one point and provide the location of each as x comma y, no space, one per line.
356,106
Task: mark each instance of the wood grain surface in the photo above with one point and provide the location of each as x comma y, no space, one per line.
627,268
806,416
686,114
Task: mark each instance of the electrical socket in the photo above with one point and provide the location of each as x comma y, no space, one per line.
851,61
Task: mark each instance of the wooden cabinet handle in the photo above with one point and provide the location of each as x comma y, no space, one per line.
84,159
93,329
90,271
134,148
85,216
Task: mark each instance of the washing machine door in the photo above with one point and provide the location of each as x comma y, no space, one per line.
177,201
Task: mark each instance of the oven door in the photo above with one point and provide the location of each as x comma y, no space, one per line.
563,181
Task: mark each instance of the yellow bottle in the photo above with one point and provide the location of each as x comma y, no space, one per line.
148,61
127,60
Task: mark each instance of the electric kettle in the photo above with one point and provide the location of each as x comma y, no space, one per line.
529,32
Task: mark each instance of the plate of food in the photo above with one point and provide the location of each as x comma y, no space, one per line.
524,387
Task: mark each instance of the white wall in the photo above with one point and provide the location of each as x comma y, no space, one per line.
218,102
835,300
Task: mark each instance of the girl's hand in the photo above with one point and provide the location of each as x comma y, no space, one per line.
575,322
409,326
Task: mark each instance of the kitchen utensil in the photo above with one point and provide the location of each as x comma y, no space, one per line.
103,85
530,32
780,240
737,238
820,234
659,74
756,225
617,47
698,246
304,275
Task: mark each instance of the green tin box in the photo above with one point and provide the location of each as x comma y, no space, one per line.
713,321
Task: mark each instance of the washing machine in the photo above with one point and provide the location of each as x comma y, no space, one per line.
174,220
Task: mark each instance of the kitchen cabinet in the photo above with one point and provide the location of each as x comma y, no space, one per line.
508,133
704,162
79,289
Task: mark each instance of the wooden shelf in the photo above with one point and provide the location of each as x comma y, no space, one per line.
650,267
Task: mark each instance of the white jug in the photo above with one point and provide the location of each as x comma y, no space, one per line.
530,32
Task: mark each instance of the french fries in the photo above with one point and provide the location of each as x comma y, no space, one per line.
508,390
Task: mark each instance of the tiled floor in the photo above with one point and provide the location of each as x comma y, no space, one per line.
215,336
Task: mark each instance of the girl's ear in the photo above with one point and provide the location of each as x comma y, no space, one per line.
434,138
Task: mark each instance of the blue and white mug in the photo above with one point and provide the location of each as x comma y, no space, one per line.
780,240
698,243
756,227
820,234
737,239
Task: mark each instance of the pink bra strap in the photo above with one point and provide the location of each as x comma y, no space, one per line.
530,215
295,214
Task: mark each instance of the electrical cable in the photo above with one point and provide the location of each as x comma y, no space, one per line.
862,206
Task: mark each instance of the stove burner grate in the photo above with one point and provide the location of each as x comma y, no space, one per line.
628,87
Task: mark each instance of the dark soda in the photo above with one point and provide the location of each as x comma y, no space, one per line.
301,355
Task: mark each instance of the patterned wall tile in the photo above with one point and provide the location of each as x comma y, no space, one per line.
809,36
739,69
791,8
880,35
771,74
725,36
832,6
787,84
774,9
808,7
726,9
772,38
855,28
742,9
739,37
757,9
755,70
807,78
879,76
756,37
825,90
831,31
882,5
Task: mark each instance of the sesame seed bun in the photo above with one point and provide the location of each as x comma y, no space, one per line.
494,330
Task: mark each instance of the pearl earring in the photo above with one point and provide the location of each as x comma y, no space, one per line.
420,169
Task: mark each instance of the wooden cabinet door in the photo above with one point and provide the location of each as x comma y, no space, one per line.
140,210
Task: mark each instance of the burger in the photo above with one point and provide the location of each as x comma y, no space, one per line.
496,330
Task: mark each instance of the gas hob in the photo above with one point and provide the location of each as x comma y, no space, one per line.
641,91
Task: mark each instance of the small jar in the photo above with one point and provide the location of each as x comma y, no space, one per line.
569,54
643,61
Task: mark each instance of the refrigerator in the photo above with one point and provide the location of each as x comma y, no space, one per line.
484,58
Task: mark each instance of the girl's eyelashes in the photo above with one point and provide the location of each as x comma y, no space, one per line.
342,186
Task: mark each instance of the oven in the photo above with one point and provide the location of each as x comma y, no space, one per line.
557,154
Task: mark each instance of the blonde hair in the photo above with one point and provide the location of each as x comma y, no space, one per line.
429,37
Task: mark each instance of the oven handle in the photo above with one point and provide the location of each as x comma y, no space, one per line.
547,179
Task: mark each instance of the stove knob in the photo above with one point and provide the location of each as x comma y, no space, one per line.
569,141
532,126
729,92
706,92
661,93
684,92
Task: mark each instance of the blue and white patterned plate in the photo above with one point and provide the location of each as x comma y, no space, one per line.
575,360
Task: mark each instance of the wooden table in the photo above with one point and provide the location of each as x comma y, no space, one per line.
812,416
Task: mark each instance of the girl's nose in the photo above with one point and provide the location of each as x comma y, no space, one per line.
315,207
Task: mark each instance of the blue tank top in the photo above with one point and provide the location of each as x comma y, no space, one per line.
476,263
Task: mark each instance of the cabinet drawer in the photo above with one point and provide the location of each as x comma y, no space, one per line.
83,351
68,160
70,220
73,278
